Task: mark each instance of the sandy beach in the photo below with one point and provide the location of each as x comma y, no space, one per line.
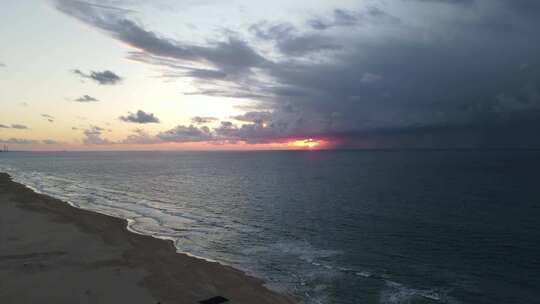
51,252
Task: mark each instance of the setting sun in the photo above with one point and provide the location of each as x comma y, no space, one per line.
308,143
285,151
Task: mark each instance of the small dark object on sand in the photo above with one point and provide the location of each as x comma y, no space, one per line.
215,300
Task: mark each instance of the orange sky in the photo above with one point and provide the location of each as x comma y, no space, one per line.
301,144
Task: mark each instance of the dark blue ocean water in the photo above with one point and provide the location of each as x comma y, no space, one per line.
330,226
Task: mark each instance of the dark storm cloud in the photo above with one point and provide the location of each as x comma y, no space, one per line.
529,8
202,120
291,42
271,32
304,44
107,7
402,83
341,18
140,117
364,77
297,46
526,7
177,70
201,74
102,78
256,117
250,133
447,1
344,18
206,74
239,93
86,98
230,56
3,126
227,132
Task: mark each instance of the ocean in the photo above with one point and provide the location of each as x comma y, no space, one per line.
328,226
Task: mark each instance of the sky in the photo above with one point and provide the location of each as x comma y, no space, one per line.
242,74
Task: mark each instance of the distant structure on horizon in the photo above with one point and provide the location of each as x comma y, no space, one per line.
6,149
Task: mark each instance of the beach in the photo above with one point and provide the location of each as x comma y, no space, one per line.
51,252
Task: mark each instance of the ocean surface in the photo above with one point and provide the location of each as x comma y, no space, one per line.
329,226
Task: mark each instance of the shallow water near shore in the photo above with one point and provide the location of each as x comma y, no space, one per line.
329,226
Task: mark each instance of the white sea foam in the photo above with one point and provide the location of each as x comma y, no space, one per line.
286,265
305,251
365,274
396,293
162,219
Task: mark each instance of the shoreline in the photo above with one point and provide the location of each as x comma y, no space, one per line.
91,251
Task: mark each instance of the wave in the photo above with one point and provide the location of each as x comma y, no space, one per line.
164,220
396,293
142,217
292,266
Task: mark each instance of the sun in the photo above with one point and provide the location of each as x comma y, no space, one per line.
308,143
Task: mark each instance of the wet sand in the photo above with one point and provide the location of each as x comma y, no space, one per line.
51,252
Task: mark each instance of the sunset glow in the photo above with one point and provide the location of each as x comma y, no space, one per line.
309,151
308,143
254,76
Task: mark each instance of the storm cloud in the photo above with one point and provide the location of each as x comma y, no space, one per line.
345,18
229,56
400,75
255,117
291,42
